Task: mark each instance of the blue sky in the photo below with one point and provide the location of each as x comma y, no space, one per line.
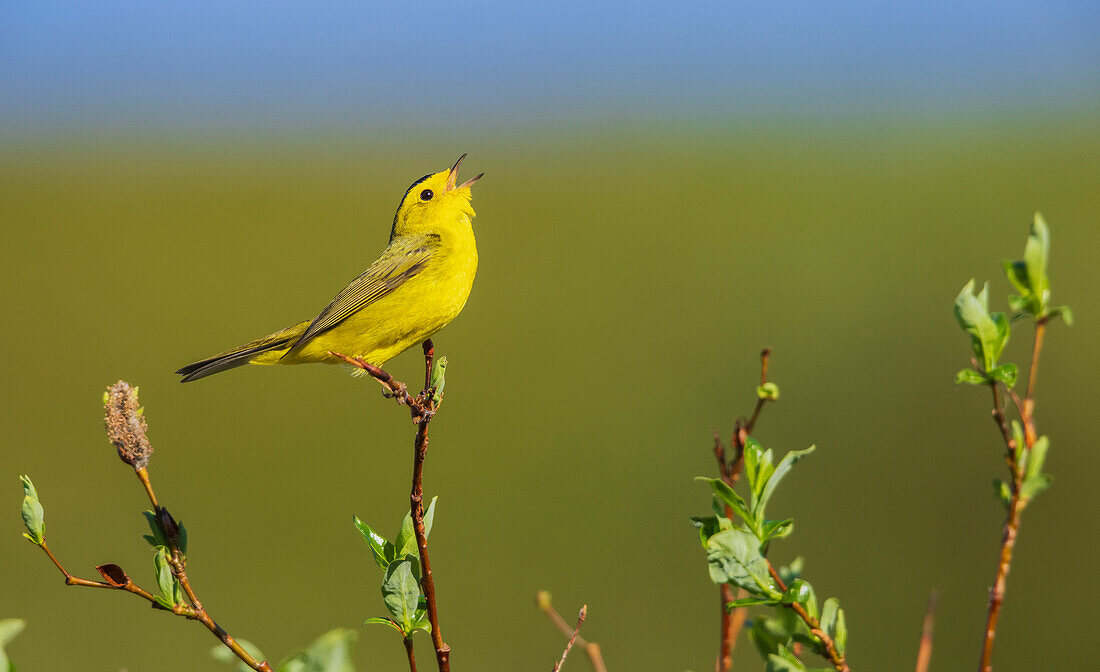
324,63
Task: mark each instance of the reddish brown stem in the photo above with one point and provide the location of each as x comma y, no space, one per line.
410,654
592,649
195,613
429,358
416,499
1017,503
572,637
997,593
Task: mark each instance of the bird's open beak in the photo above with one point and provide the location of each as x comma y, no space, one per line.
452,177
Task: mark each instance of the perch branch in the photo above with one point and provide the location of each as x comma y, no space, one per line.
423,410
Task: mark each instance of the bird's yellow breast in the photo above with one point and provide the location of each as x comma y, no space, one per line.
421,306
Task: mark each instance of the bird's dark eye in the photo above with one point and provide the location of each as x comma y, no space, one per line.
426,195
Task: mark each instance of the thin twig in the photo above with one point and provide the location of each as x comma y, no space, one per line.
764,354
591,649
573,637
423,411
924,653
1017,503
127,586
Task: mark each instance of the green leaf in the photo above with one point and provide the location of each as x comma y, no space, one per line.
833,623
1037,457
406,537
331,652
777,529
420,618
1064,312
157,537
401,591
840,632
801,592
708,526
768,391
169,588
970,377
439,379
1003,492
781,470
1036,258
758,466
9,628
988,331
382,550
784,661
733,556
1034,485
33,515
1018,440
1029,275
28,487
1005,373
728,495
223,654
383,621
750,602
182,541
429,516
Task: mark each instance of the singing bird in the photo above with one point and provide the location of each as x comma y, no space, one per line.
415,288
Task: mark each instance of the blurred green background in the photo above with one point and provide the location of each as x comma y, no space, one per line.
668,189
627,282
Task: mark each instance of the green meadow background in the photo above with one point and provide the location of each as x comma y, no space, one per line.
628,279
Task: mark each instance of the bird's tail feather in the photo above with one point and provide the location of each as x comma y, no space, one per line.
231,359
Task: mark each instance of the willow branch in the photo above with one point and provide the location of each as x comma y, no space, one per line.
572,637
1016,504
591,649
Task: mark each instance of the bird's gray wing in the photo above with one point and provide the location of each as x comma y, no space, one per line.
399,263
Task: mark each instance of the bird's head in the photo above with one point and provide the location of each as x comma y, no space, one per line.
435,203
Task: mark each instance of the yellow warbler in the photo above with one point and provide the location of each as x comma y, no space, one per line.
415,288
